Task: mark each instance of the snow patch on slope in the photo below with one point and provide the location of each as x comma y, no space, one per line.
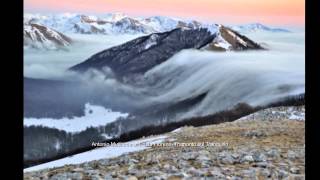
95,116
221,42
151,41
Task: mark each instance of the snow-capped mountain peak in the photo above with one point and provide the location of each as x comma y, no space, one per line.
117,16
115,23
228,38
42,37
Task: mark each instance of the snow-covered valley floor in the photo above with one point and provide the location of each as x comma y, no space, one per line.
95,116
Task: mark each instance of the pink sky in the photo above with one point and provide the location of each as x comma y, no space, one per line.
277,12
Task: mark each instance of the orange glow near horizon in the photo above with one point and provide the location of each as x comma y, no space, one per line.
278,12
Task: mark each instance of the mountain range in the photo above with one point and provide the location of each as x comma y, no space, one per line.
115,23
49,31
258,27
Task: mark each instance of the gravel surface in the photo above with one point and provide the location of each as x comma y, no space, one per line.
266,145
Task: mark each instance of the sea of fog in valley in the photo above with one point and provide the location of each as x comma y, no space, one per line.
227,78
53,64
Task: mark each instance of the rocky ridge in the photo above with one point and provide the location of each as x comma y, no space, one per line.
228,39
141,54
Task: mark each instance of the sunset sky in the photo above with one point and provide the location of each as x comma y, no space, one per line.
275,12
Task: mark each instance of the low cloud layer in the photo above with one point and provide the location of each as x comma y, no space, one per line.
253,77
53,64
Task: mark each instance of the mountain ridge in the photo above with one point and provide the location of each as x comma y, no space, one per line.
112,23
258,27
124,60
42,37
137,56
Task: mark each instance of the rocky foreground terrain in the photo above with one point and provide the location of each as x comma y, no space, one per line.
268,144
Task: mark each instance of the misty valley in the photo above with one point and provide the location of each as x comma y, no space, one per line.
116,79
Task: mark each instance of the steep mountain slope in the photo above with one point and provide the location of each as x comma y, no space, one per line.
41,37
141,54
228,39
